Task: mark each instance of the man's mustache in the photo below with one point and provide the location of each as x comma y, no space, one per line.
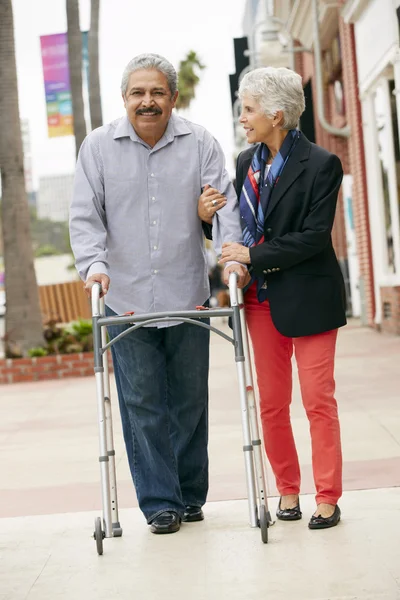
148,111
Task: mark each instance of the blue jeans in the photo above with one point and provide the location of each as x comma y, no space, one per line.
162,383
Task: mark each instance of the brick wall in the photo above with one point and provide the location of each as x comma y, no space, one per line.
357,169
351,153
47,367
390,310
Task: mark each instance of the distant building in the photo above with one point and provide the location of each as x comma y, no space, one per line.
54,197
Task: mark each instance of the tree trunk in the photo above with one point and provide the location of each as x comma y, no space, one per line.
75,71
96,118
23,321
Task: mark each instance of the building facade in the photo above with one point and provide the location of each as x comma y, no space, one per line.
376,34
348,56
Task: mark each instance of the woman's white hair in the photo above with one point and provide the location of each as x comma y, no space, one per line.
276,89
150,61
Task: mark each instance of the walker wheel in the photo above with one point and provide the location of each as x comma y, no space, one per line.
264,524
98,535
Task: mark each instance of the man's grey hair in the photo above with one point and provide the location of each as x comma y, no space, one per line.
150,61
276,89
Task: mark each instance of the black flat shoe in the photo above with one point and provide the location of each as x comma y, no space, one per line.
288,514
192,514
325,522
166,522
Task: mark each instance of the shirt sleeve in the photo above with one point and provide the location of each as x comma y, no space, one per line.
226,221
87,221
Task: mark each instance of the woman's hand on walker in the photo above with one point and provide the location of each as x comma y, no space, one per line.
242,273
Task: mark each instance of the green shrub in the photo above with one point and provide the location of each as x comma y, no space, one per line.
68,339
39,351
81,328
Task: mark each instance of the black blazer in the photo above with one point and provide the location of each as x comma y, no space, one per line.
305,284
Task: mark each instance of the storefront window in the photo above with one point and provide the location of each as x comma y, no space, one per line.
384,153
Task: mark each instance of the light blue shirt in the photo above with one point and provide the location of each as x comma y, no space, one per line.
134,214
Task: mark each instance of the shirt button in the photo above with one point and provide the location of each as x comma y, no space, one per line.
155,247
151,174
153,198
154,222
155,271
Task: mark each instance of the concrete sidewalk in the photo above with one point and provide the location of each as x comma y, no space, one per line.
48,452
54,558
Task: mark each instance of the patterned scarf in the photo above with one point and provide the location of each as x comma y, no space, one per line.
254,204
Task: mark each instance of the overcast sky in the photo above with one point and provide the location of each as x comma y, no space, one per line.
128,28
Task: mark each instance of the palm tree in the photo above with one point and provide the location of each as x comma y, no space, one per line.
23,321
96,118
75,71
188,79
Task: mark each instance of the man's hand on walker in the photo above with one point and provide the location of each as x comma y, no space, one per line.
244,275
101,278
235,251
209,202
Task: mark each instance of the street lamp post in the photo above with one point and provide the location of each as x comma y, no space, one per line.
273,26
291,49
252,53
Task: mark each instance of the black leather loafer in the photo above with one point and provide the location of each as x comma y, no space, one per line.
192,514
166,522
325,522
288,514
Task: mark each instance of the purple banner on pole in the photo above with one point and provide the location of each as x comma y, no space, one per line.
57,84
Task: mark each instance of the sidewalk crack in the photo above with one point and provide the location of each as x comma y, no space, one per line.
389,433
41,571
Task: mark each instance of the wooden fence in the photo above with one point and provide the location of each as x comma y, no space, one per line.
65,301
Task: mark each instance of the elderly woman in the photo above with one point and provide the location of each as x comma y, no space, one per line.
287,190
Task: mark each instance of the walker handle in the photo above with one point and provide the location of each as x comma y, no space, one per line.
233,289
95,298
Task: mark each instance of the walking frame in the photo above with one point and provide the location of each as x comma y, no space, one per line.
259,515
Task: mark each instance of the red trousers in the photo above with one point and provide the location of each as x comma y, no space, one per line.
315,362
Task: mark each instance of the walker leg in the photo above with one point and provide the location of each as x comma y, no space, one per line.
247,445
247,449
104,459
256,441
116,527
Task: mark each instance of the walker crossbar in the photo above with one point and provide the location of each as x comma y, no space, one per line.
143,323
173,315
254,465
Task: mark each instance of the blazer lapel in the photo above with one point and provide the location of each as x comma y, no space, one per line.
293,168
243,170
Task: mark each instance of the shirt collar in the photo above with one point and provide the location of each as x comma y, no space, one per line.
176,127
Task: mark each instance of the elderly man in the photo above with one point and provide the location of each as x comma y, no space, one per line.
135,229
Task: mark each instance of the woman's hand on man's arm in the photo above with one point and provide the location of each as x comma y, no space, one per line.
234,251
